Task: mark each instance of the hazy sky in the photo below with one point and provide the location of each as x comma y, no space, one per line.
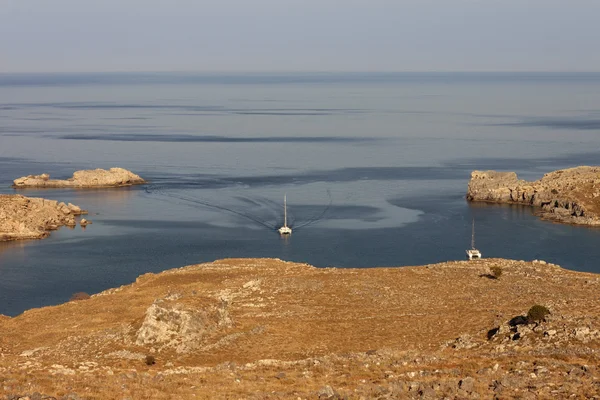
299,35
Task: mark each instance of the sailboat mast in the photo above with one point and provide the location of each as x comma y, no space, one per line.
285,210
473,235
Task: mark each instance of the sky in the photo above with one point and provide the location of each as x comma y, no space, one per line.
299,35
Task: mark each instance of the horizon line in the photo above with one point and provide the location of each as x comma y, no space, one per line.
305,72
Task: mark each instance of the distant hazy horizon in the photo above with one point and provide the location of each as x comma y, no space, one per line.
299,36
291,71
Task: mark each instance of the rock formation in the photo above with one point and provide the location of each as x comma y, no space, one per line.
84,222
83,179
31,218
568,196
262,328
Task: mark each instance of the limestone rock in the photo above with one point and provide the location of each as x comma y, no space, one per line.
31,218
467,384
83,179
567,196
170,324
84,222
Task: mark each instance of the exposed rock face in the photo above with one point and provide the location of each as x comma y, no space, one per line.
568,196
83,179
169,324
256,329
31,218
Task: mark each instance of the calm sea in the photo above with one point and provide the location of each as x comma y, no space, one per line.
375,168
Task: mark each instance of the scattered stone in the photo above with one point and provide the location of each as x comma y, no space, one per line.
327,392
550,333
84,222
280,375
467,384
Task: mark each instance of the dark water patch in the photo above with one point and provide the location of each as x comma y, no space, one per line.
155,224
126,118
289,113
178,138
574,123
529,168
187,108
432,203
15,167
335,211
354,174
171,78
166,181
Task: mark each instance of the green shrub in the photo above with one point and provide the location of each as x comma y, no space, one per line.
537,313
150,360
496,271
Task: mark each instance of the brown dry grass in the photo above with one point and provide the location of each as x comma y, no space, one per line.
322,326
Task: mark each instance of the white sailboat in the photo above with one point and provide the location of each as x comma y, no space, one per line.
473,252
285,230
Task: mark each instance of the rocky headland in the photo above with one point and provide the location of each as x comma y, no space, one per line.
93,178
32,218
568,196
264,328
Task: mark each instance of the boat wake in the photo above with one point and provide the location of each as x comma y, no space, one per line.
159,193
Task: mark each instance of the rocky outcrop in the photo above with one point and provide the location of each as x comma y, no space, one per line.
32,218
169,324
83,179
568,196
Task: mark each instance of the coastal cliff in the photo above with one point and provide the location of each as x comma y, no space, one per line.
113,177
265,328
568,196
32,218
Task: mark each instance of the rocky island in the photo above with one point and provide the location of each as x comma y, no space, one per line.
568,196
93,178
32,218
265,328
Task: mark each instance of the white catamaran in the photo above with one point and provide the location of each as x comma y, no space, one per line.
285,230
473,252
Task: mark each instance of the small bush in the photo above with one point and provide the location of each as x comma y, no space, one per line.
496,272
79,296
150,360
537,313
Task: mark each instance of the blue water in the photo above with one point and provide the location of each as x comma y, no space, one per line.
375,168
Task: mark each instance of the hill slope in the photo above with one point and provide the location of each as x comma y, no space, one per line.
264,328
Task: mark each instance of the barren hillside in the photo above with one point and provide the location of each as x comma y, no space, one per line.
264,328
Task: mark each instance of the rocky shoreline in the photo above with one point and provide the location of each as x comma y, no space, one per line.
32,218
569,196
94,178
265,328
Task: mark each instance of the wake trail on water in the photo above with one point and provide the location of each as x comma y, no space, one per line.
197,203
318,217
192,200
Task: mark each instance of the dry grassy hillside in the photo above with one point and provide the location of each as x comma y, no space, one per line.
263,328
